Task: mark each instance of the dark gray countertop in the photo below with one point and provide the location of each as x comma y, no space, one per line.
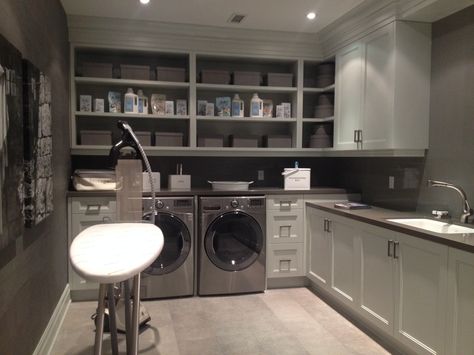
210,192
378,217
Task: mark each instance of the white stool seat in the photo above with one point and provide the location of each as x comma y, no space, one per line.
114,252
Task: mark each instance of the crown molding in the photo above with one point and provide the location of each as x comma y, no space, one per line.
151,35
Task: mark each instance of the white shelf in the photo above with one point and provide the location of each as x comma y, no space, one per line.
246,119
245,88
129,115
131,83
252,152
329,88
326,119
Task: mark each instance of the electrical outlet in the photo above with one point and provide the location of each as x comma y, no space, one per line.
391,182
260,175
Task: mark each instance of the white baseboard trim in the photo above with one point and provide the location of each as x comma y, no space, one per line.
48,338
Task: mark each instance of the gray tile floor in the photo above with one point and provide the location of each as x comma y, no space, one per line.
284,321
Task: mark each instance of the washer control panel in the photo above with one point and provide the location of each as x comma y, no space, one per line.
214,204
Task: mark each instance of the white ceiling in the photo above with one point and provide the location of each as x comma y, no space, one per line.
278,15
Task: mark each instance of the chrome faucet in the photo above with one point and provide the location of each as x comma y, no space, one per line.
467,211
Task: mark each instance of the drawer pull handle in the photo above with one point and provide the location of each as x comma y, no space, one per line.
389,248
286,204
93,208
329,230
285,231
106,219
325,227
395,250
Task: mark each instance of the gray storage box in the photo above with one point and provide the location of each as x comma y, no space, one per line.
169,139
211,141
251,78
277,141
243,141
324,80
97,70
96,137
318,141
171,74
144,138
215,76
135,72
280,79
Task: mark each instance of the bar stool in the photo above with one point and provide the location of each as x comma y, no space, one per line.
112,253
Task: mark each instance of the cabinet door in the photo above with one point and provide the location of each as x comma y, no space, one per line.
348,96
377,278
319,268
285,260
377,105
421,285
78,224
460,302
344,261
285,227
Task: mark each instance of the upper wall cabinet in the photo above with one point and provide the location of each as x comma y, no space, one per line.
382,89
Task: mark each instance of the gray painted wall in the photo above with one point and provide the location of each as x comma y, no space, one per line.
451,149
33,273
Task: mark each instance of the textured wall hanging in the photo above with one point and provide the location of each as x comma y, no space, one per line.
11,144
38,145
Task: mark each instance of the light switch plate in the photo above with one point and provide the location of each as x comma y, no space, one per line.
391,182
260,175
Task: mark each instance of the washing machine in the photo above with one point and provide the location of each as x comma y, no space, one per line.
172,273
231,245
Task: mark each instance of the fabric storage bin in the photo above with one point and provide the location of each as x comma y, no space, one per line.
97,70
135,72
243,141
215,76
323,111
144,138
317,141
277,141
171,74
95,137
323,81
280,79
251,78
211,141
169,139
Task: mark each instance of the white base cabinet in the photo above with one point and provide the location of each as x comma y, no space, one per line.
83,213
460,327
395,282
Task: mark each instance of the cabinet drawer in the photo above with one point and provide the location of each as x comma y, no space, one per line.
285,260
284,227
284,202
93,205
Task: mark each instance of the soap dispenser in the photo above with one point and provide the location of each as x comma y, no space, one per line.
142,102
256,106
237,106
130,102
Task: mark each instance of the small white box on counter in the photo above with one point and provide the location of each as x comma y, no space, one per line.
297,178
179,182
146,182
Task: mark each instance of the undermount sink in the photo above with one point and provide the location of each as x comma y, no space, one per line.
433,226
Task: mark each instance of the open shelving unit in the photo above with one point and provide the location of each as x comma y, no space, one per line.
299,126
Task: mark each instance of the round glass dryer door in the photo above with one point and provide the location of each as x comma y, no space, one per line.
176,246
233,241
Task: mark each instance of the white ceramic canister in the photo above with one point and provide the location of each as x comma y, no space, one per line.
142,102
237,106
130,102
256,106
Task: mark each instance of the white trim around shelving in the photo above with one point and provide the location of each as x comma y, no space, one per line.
131,82
130,115
245,88
255,152
329,88
326,119
246,119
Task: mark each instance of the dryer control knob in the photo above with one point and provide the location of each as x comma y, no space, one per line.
159,204
234,203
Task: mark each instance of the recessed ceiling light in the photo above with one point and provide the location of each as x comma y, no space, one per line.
311,15
144,2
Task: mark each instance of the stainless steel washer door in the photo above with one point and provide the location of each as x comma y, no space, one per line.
233,241
176,247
